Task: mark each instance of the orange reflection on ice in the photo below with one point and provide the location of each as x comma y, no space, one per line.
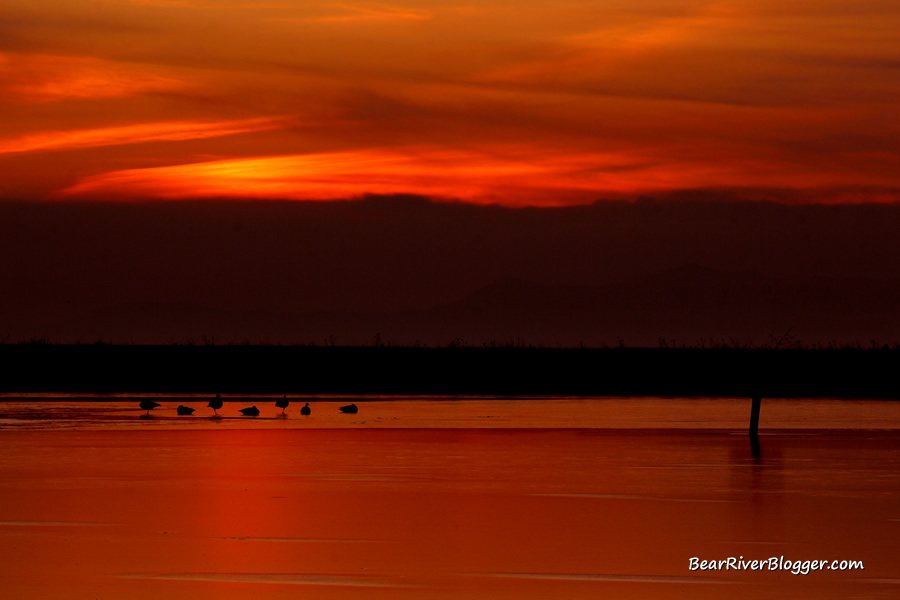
451,513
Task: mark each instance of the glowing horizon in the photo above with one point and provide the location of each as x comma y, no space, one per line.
503,176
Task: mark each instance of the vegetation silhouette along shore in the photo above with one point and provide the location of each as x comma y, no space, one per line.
729,372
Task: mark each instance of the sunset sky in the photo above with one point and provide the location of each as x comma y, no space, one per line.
565,172
514,103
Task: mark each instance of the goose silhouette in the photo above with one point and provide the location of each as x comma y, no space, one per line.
305,410
250,412
282,403
148,405
216,404
350,408
184,410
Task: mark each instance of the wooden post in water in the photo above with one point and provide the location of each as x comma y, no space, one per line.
754,425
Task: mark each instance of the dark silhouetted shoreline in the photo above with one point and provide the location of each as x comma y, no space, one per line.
847,373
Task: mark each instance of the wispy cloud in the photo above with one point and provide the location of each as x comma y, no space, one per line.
520,175
377,12
166,3
350,13
133,134
431,171
50,78
512,176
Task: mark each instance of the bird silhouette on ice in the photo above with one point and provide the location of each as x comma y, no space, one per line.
282,403
184,410
250,412
350,408
148,405
216,404
305,410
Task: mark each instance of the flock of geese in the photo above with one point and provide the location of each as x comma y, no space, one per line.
251,411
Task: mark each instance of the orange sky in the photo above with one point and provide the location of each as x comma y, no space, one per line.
539,103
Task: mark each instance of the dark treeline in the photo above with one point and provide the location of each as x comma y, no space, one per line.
487,371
